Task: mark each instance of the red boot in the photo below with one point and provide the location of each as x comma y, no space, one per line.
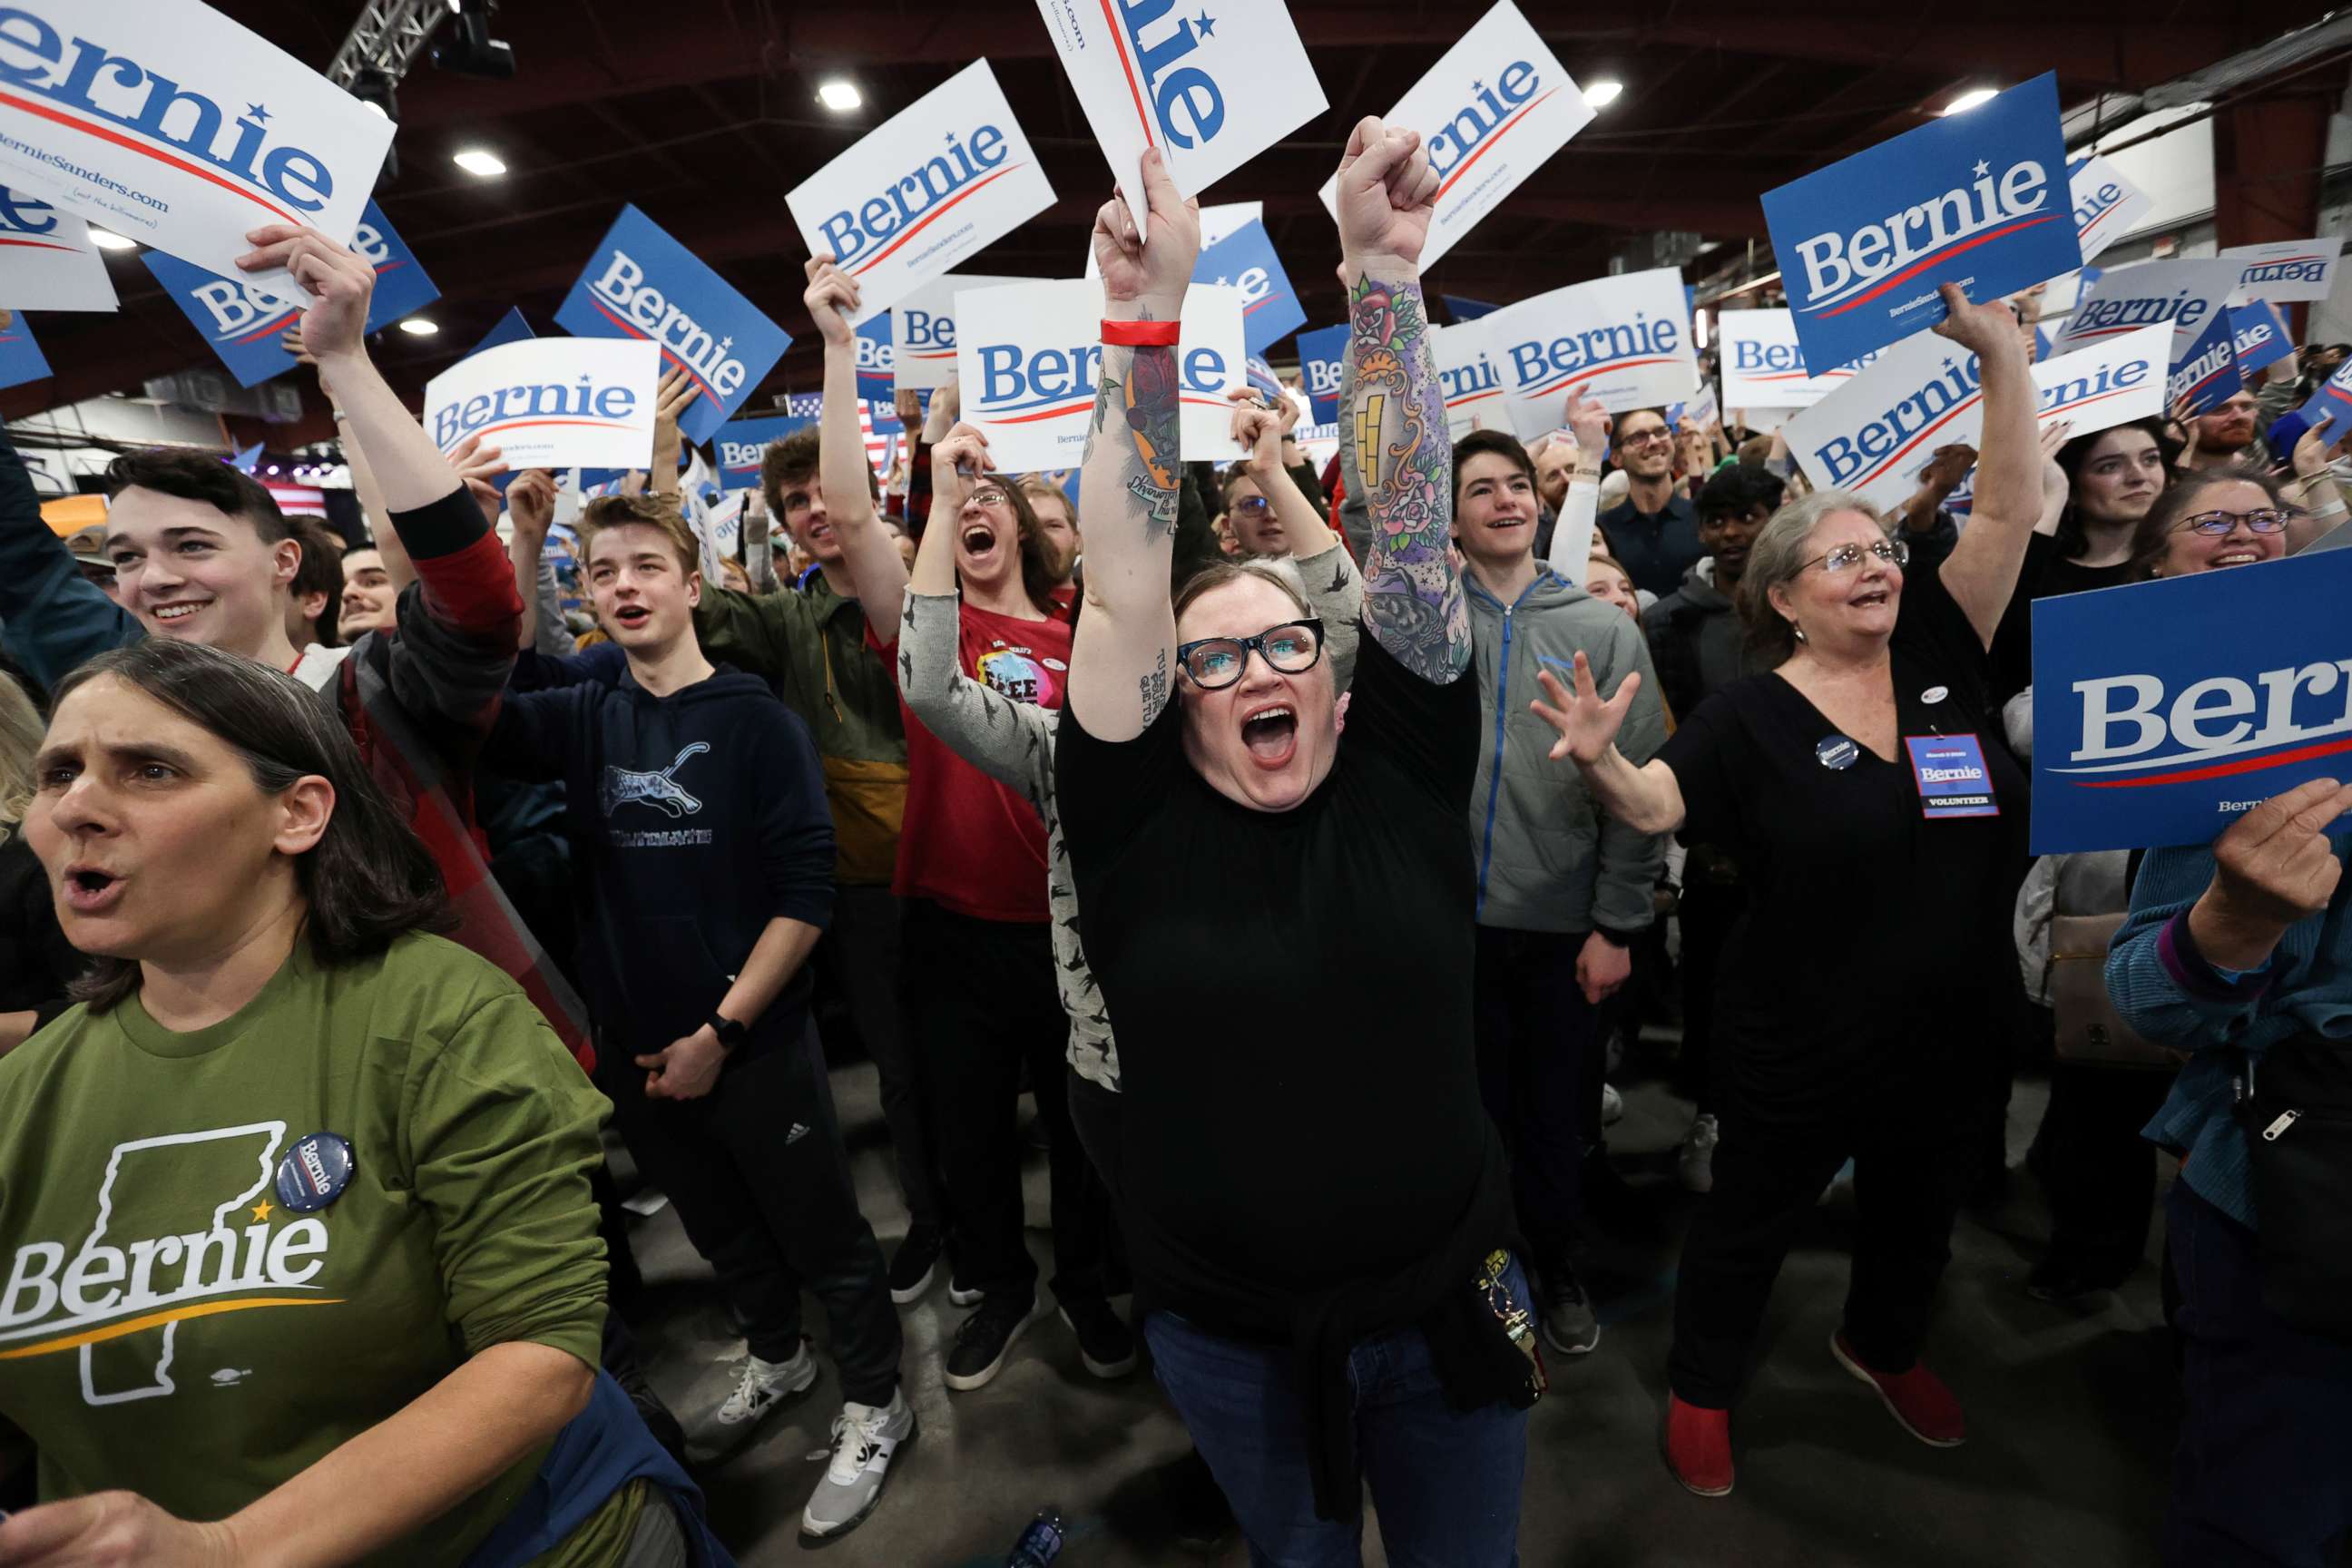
1698,1446
1916,1398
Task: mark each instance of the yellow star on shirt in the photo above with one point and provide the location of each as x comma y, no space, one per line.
261,1210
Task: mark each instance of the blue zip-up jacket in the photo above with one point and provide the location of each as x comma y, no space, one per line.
1548,858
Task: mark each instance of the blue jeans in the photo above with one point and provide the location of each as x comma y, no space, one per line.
2263,1473
1445,1481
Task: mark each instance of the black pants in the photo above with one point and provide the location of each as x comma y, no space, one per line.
861,956
981,1002
1537,1038
1707,911
1908,1170
2099,1172
763,1189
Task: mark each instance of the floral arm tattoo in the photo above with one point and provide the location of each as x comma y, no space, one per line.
1134,461
1392,419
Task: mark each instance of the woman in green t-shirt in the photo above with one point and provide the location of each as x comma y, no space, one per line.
298,1260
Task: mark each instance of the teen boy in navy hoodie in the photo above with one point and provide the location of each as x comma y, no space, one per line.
696,806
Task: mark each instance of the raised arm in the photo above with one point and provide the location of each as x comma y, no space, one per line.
845,475
1392,409
1571,531
1265,437
1647,798
1980,574
1122,661
51,619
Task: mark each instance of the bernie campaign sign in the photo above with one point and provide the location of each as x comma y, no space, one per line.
738,444
2288,270
168,123
2332,400
1475,394
2107,205
643,284
1211,83
922,191
1029,359
1763,366
1974,199
2258,337
1490,111
877,360
552,403
923,328
47,261
246,326
1244,259
1623,341
1873,435
1322,355
2189,296
2164,710
20,357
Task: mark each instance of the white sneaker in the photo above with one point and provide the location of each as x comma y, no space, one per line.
1695,1165
1613,1104
864,1438
763,1387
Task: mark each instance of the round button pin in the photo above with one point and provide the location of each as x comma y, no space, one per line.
1935,694
314,1171
1837,753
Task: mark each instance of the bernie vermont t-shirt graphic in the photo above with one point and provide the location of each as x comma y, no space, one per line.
185,1226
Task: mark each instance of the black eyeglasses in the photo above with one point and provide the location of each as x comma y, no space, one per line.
1214,663
2220,524
1256,506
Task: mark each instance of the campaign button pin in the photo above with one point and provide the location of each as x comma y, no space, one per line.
1837,753
314,1171
1935,694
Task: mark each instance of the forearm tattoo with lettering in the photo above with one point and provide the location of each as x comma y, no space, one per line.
1392,416
1153,690
1141,397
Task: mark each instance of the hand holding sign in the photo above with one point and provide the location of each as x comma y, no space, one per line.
530,505
1386,196
1587,726
1987,331
339,283
476,466
2312,451
2272,868
956,462
1590,422
1148,274
831,300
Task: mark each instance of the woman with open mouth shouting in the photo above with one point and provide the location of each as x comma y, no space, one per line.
1232,862
1879,824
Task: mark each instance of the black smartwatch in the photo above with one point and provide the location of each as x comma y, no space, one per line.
731,1033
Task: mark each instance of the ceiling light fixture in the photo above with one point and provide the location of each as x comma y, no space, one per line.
839,95
1602,94
1971,99
420,326
107,239
480,162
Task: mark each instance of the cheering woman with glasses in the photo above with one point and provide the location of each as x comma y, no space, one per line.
1863,788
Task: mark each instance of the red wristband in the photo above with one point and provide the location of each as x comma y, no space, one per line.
1141,334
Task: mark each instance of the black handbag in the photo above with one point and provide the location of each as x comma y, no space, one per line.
2295,1107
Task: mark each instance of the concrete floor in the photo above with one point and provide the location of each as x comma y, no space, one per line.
2071,1411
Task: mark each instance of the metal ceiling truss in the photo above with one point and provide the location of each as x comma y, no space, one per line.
387,37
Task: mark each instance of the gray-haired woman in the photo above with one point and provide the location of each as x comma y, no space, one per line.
1864,790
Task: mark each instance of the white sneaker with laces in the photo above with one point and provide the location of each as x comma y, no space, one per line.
865,1437
762,1386
1695,1165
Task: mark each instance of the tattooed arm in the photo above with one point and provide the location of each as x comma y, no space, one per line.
1392,408
1125,653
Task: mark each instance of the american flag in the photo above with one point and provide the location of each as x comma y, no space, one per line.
296,501
881,444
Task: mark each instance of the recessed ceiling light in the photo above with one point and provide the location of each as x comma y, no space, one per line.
1602,94
476,161
107,239
1971,99
839,95
420,325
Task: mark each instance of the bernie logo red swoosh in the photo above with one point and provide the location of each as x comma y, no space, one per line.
2224,770
1924,263
1508,126
930,217
635,332
144,150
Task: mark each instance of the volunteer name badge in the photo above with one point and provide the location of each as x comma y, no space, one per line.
642,284
1950,772
47,261
923,191
314,1171
1211,83
1980,199
164,121
1492,110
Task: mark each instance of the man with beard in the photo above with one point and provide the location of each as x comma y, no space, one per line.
1654,531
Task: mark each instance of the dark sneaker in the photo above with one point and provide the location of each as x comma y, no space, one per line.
961,1294
916,1264
986,1338
1570,1324
1105,1343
